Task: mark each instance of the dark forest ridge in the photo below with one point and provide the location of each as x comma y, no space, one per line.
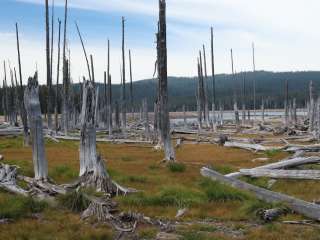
270,86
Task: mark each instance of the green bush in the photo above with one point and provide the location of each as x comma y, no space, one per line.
218,192
14,207
176,167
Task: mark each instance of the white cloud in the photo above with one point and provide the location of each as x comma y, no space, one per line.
285,34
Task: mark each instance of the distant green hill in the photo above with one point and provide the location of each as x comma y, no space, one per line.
269,85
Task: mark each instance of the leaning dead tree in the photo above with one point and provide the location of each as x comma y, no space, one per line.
23,113
163,84
32,104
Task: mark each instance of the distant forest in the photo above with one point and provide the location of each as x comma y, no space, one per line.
270,86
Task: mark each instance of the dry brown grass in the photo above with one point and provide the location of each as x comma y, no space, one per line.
139,167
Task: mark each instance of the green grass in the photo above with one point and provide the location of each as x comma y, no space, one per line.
174,196
260,182
154,167
223,169
272,153
74,201
15,207
134,179
193,235
176,167
218,192
127,158
63,171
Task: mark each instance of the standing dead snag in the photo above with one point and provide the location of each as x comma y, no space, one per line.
235,102
213,83
92,169
57,83
254,81
163,84
123,103
131,85
23,113
32,104
286,103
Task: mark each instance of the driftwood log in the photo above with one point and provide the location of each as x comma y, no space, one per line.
307,209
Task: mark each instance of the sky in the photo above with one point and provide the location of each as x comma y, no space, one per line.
285,33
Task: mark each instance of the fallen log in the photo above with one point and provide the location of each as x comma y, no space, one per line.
282,174
298,161
251,147
8,182
305,148
302,207
120,141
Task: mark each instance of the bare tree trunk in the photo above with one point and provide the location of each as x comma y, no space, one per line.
244,97
109,99
262,109
49,80
235,103
205,89
57,83
163,84
23,112
286,104
184,116
213,82
131,85
65,107
146,118
31,99
312,107
294,108
92,169
254,81
123,102
117,116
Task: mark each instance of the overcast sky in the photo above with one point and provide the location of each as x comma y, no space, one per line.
285,32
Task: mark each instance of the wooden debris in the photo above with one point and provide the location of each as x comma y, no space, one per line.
282,174
307,209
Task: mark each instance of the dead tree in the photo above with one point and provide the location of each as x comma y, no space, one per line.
262,109
48,62
254,81
205,88
123,100
312,107
163,84
57,83
65,70
131,85
184,116
117,116
198,97
146,118
286,103
109,102
244,97
32,104
92,169
235,102
213,82
23,113
294,109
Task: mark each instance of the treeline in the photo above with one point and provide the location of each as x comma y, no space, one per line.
270,86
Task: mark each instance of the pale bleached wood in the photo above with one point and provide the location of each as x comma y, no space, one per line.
282,174
302,207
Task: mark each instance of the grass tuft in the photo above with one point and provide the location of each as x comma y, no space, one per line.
63,171
15,207
272,153
174,196
74,201
218,192
176,167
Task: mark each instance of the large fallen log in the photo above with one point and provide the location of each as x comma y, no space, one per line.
298,161
306,148
251,147
119,141
302,207
282,174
